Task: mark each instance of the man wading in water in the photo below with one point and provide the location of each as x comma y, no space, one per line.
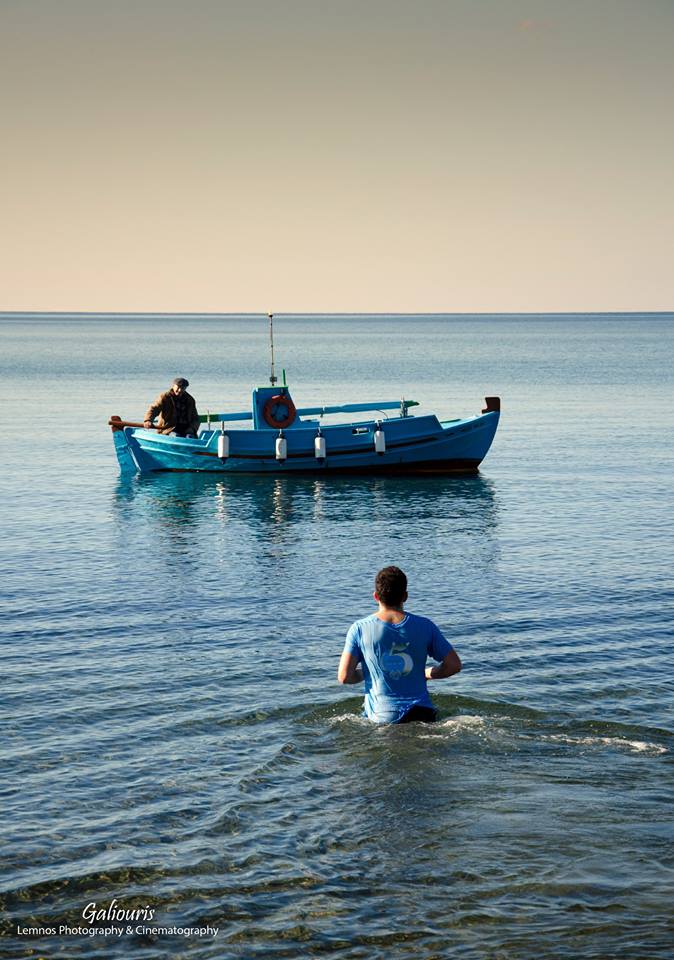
388,651
177,411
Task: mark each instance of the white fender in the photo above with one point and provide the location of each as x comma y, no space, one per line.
223,446
319,448
281,448
379,441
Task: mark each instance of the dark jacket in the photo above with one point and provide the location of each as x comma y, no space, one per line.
165,406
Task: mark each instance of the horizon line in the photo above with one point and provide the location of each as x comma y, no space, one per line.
332,313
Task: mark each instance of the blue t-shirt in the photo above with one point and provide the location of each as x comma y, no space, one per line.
393,656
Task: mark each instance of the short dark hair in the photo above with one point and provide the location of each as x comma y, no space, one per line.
390,585
181,382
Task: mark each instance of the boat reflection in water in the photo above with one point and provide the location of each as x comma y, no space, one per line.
329,511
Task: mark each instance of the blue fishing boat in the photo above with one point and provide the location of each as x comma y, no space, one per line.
281,438
284,439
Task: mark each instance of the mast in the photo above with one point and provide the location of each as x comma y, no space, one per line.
272,378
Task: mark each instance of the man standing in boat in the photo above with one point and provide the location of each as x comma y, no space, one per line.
388,651
177,411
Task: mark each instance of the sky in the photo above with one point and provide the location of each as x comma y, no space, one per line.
337,155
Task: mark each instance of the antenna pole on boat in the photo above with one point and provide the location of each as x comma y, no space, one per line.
272,378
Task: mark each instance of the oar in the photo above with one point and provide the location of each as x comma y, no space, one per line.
118,424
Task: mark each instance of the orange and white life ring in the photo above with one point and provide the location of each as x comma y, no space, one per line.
279,404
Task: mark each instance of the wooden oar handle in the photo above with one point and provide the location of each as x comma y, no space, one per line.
118,424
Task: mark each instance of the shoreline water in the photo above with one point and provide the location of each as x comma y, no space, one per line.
175,737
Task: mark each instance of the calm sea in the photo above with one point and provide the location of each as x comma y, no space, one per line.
173,736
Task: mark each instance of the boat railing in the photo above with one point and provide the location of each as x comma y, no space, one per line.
402,405
379,407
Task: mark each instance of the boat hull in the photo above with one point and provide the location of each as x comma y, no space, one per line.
412,445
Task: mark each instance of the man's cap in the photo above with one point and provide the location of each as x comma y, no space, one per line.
181,382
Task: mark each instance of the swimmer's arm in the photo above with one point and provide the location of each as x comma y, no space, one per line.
449,666
349,670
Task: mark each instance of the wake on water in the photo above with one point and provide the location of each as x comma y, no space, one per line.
504,725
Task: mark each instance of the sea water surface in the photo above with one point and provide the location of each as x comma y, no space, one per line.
173,736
